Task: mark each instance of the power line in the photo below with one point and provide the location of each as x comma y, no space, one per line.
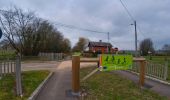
114,41
130,15
82,29
132,18
77,28
124,6
141,32
67,26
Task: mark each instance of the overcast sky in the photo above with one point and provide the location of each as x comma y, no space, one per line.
152,16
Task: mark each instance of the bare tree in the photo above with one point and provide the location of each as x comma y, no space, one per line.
81,44
46,38
66,45
14,22
29,35
4,44
146,46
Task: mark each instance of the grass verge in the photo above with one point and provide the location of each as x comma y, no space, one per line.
110,86
30,81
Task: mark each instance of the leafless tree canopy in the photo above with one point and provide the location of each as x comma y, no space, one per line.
81,45
29,35
14,23
146,46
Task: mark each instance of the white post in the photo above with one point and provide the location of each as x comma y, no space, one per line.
18,76
166,71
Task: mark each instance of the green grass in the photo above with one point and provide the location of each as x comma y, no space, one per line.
34,58
110,86
161,60
30,81
6,55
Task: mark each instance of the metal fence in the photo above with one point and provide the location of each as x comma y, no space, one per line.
12,67
155,70
52,56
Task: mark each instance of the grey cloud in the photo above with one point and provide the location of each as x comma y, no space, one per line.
105,15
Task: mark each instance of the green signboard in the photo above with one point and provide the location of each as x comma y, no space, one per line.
110,62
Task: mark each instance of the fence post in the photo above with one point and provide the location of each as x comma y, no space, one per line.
52,56
4,68
75,75
142,73
8,69
166,70
18,76
60,56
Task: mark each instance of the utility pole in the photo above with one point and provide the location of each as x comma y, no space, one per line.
108,37
136,45
108,42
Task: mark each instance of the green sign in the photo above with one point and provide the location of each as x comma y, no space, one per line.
115,62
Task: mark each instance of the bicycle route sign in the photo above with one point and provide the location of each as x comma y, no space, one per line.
109,62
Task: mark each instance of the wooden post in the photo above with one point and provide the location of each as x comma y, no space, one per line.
75,74
142,73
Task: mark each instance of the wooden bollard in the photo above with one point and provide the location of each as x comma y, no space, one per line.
75,74
142,73
142,62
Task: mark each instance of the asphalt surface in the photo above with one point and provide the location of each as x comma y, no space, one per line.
58,84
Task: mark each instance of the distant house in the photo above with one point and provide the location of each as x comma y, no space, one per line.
100,47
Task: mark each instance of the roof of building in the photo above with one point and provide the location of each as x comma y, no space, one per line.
100,44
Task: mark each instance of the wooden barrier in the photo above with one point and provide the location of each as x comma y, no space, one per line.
89,60
76,71
142,70
75,74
